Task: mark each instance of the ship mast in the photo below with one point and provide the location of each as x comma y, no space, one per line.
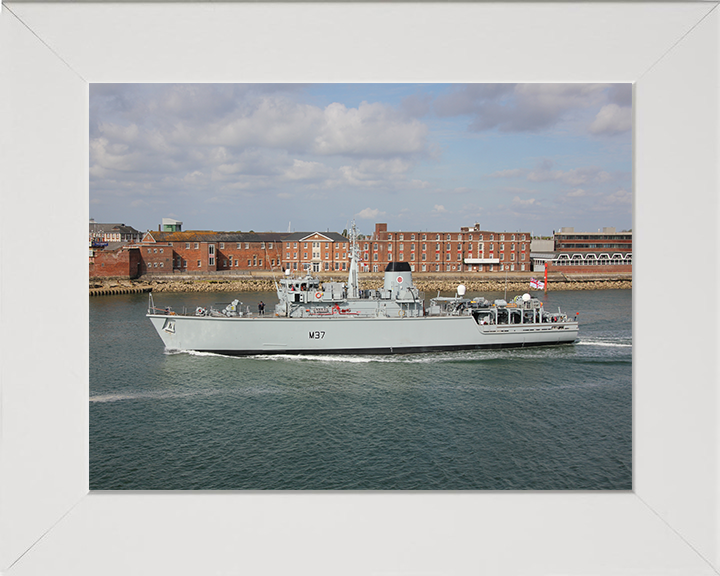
353,287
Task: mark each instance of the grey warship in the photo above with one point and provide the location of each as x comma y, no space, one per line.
314,317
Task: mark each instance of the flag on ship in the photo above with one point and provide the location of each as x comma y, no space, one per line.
536,284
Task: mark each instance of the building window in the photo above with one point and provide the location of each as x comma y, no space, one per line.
211,249
239,245
260,262
222,245
198,263
211,261
262,245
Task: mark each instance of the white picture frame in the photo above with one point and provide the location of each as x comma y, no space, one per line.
49,522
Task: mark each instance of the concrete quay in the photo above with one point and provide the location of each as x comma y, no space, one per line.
430,283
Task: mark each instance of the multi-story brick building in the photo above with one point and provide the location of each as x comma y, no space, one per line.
470,249
316,252
207,251
605,251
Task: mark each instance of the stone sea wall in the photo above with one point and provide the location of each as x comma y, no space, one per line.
428,284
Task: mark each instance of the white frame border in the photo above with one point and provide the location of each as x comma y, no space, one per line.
49,53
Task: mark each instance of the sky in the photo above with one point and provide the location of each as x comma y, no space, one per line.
419,157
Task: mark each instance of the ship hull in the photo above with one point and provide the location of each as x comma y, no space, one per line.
350,335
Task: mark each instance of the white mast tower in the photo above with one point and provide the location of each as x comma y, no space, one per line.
353,286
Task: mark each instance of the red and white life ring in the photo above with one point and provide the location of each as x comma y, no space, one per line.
318,295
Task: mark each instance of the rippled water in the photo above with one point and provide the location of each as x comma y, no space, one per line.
554,418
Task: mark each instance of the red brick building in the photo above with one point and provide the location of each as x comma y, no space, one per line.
470,249
120,262
316,252
207,251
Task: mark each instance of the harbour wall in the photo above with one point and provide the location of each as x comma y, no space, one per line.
428,283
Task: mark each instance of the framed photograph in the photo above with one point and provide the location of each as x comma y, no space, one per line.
49,520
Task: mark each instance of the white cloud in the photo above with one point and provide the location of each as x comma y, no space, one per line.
619,197
512,173
577,193
517,201
369,213
439,209
304,170
370,129
612,119
519,107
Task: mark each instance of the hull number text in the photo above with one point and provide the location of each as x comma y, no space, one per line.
317,335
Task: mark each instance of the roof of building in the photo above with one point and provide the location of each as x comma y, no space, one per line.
211,236
107,228
301,236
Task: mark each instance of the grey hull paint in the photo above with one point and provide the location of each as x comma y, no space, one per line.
350,335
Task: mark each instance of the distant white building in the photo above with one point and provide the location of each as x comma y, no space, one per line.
112,232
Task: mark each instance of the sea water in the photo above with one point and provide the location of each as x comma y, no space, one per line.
547,418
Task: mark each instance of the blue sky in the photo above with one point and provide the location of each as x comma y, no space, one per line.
273,157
